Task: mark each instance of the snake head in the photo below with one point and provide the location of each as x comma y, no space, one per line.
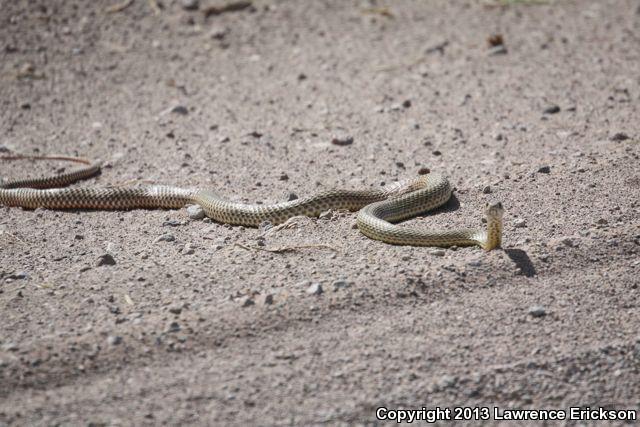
494,210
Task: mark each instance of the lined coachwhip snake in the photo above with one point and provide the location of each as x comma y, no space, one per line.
378,209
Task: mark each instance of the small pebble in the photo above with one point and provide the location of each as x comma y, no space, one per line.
20,275
173,327
520,223
283,177
551,109
188,249
114,339
498,50
218,33
315,289
180,109
106,259
10,346
342,140
341,284
487,189
326,215
195,212
292,196
165,238
190,4
544,169
175,309
437,252
248,301
423,170
537,311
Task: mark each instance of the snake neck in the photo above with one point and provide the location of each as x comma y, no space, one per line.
493,237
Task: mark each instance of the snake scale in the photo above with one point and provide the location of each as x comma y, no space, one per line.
378,209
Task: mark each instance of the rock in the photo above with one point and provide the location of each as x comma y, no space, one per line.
437,252
173,327
292,196
218,33
423,170
175,309
544,169
188,249
406,103
114,340
342,140
520,223
10,346
437,153
190,4
326,215
165,238
341,284
268,299
486,189
180,109
20,275
106,259
172,223
537,311
620,136
248,301
498,50
314,289
195,212
283,177
447,381
474,263
551,109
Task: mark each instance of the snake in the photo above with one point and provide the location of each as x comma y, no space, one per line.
379,210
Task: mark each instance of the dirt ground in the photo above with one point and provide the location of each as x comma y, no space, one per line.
188,326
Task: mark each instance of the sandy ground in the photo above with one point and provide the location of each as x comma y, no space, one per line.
200,330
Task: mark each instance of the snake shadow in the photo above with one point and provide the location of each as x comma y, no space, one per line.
522,260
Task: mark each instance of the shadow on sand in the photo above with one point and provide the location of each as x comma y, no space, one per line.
522,260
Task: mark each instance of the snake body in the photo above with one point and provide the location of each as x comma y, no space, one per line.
378,209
